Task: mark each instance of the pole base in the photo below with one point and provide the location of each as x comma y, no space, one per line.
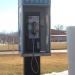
32,65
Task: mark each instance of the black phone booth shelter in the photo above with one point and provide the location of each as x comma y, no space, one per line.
34,32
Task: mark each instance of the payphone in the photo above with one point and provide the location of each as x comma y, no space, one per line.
34,27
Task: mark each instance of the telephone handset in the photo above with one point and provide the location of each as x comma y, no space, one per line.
33,29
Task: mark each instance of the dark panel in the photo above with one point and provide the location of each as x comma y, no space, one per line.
31,69
35,1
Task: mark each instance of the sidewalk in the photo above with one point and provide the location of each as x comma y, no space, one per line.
58,73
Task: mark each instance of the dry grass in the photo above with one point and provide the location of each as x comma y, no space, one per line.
54,45
4,47
55,62
58,45
13,64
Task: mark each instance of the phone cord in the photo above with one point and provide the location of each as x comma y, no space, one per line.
34,58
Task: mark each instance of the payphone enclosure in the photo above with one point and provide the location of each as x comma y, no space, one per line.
34,27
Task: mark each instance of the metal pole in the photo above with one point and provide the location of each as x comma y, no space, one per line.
71,49
28,70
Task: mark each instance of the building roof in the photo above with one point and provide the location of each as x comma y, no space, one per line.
57,32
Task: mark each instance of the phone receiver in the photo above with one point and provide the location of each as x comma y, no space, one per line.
33,30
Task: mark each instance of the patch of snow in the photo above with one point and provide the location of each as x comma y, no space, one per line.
58,73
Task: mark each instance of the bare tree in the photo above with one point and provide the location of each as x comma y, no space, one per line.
59,27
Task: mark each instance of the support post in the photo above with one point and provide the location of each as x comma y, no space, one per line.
34,68
71,49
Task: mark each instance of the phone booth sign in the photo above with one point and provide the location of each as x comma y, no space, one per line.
34,27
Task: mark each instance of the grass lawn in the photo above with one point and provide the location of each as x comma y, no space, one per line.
59,45
5,47
13,64
54,45
54,63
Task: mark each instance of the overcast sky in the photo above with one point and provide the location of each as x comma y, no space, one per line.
62,12
8,15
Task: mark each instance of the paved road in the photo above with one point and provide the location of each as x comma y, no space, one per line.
9,52
17,52
58,51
